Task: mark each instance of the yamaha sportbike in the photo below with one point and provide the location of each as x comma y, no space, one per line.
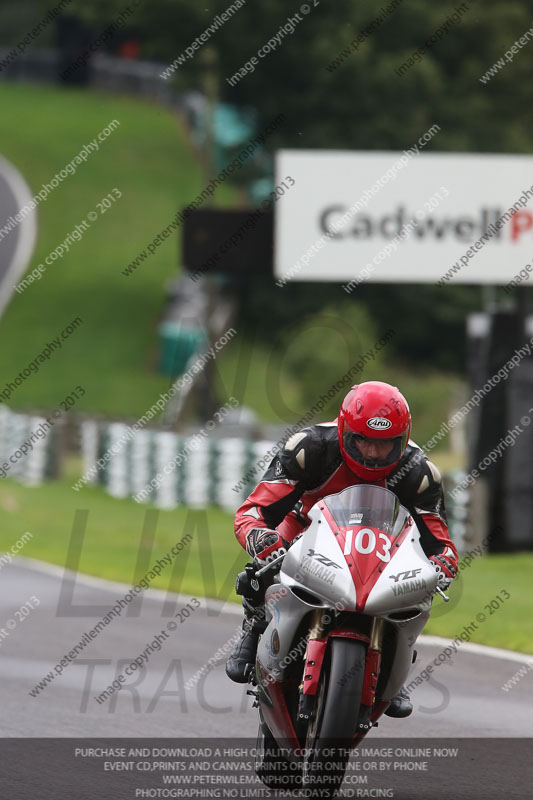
344,610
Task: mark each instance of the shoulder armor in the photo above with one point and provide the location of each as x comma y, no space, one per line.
417,481
311,455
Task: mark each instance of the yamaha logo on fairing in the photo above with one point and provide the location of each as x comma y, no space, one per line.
379,423
410,586
327,562
407,575
319,566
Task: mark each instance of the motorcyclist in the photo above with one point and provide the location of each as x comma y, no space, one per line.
368,443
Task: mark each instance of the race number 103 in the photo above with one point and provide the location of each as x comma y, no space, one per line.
366,542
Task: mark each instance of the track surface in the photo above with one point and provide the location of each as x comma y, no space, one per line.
464,699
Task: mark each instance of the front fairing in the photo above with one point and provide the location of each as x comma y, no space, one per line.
361,553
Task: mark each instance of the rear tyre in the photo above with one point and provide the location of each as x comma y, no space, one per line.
331,732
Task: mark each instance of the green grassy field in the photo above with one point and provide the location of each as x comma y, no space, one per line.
113,540
113,354
149,159
507,622
208,564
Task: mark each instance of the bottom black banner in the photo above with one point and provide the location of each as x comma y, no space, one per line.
127,769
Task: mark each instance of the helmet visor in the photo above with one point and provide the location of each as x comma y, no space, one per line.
373,452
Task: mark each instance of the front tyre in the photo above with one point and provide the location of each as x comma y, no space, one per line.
331,732
271,766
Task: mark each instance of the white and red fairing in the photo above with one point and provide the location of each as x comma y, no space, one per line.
375,569
368,558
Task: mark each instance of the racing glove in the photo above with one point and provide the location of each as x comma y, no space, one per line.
264,545
446,567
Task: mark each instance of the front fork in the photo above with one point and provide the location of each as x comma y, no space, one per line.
370,681
314,657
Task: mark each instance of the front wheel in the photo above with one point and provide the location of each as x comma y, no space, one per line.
271,766
330,734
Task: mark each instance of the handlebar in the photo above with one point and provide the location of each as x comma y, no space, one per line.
271,564
445,597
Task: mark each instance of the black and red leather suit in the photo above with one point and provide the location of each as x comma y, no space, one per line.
310,466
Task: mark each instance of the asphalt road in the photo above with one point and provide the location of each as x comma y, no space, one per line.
463,698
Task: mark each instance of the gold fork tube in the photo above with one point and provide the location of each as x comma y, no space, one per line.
316,628
376,634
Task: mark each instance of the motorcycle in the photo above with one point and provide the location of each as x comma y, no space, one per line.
342,615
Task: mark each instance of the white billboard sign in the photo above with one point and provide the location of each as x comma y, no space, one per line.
430,218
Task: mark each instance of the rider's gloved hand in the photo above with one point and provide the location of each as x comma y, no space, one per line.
446,566
264,545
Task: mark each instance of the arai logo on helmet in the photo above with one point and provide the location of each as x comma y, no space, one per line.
379,423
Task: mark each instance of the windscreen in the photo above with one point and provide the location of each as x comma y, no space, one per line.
368,505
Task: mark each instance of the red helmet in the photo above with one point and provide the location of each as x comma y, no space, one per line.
373,412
